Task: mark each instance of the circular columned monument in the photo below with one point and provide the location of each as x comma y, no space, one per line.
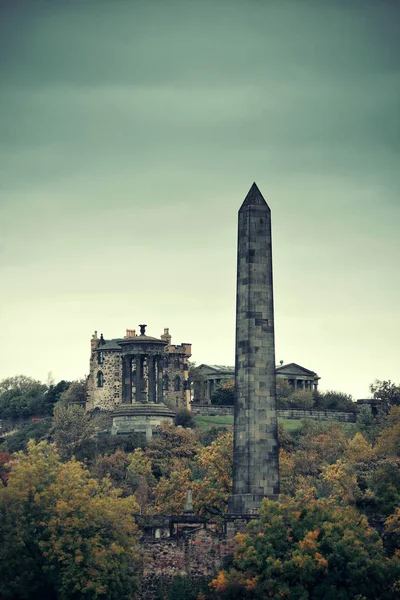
142,409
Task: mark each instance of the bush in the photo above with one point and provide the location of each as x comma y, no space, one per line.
184,418
31,431
224,396
301,399
332,400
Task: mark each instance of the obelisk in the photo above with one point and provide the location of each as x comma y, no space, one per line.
255,464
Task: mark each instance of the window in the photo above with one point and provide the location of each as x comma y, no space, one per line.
177,383
100,357
166,382
100,379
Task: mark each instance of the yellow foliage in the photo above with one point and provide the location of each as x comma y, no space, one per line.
309,542
219,583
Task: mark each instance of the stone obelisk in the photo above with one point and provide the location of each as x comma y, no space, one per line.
255,465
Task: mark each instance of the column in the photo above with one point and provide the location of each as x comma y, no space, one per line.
151,374
160,382
208,395
127,380
139,378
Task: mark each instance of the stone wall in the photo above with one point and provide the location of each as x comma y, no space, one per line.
194,550
176,372
294,413
318,415
209,410
107,396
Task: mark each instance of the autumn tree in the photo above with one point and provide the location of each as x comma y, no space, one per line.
115,467
172,443
5,467
225,393
211,491
71,427
170,491
141,479
306,548
64,534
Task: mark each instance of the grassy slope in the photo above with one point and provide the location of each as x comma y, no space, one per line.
205,423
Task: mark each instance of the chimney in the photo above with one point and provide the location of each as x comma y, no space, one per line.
166,336
130,333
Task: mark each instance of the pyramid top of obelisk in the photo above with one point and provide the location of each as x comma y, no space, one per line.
254,197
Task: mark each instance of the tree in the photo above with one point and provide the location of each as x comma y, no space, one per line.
171,443
75,393
184,418
5,460
64,534
283,391
386,392
334,400
141,478
19,384
170,492
22,396
71,427
211,492
37,431
115,467
55,392
300,399
305,548
388,442
225,393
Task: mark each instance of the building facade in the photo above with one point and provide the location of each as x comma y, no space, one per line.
105,379
210,377
299,378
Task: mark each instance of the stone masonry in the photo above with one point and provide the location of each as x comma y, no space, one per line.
255,471
104,382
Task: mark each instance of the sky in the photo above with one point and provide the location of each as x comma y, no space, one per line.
130,133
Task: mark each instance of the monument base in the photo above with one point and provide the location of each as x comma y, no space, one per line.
247,504
140,418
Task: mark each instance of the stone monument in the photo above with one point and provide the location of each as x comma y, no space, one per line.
142,409
256,469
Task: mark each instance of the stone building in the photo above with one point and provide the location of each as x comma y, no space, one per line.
104,383
211,377
299,378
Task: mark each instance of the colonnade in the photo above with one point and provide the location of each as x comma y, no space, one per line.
136,387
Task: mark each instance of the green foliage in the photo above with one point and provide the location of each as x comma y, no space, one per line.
283,391
75,393
224,395
367,425
5,459
172,444
309,548
31,431
210,435
386,392
71,428
333,400
184,418
300,399
22,397
64,534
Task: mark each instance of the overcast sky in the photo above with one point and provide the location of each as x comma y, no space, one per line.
130,133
